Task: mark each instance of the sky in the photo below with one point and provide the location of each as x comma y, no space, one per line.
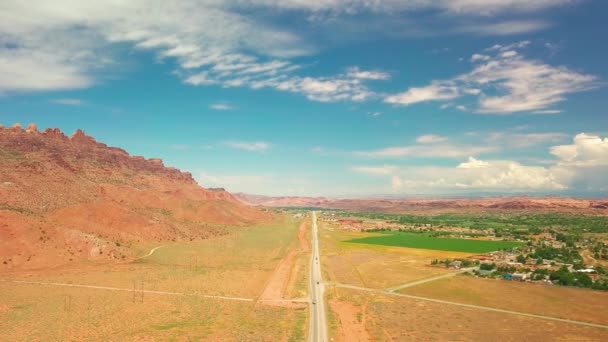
333,98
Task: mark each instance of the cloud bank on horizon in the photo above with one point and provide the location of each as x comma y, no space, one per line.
498,80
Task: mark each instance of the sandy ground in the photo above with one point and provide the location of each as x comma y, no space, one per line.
403,319
285,276
351,321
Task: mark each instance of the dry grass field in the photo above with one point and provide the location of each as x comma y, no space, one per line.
238,265
34,313
391,318
571,303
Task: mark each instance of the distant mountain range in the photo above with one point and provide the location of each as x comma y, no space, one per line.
522,203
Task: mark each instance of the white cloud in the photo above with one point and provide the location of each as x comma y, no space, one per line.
433,92
201,78
355,72
581,165
586,150
256,146
505,83
476,176
220,106
430,139
64,44
473,164
427,151
517,45
493,7
547,111
69,44
479,57
455,7
30,70
505,28
68,102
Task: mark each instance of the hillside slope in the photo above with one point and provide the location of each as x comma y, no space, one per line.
68,198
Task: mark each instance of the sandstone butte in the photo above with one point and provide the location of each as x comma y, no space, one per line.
67,199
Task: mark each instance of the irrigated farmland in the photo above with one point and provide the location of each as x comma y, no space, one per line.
424,241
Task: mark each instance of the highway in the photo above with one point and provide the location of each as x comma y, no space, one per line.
318,323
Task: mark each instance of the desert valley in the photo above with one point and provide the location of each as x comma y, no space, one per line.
319,170
98,244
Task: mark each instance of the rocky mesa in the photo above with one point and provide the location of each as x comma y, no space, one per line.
64,199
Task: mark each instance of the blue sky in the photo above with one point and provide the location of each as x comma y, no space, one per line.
325,97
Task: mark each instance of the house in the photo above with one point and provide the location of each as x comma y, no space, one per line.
456,264
586,270
519,276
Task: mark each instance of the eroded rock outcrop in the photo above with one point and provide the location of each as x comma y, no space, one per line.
63,199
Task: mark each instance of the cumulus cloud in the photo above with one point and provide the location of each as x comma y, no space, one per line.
473,163
504,83
476,175
581,165
586,150
256,146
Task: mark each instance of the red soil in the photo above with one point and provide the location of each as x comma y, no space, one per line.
64,199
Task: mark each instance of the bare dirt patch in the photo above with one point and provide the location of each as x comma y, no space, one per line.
285,276
351,321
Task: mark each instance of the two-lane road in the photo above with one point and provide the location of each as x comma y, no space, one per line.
317,331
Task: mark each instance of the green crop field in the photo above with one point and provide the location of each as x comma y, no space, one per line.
424,241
